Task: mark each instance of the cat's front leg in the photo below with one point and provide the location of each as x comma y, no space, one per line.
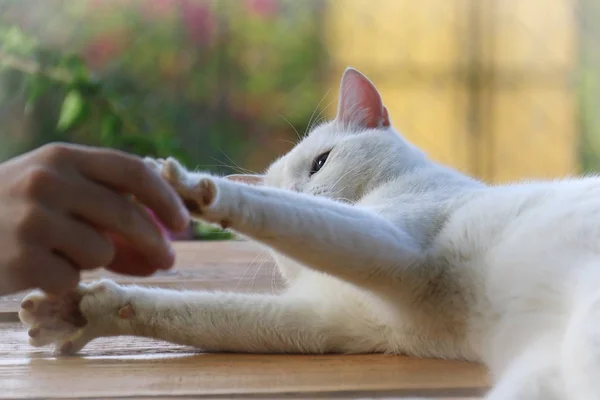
347,241
208,321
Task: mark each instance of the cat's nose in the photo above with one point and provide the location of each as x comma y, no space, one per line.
293,187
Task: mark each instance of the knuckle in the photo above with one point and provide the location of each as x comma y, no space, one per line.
30,221
38,180
56,152
137,169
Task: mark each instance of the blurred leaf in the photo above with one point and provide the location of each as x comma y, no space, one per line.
110,129
204,231
73,110
14,40
37,86
75,65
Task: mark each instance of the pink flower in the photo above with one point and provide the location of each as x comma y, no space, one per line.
199,21
263,8
103,49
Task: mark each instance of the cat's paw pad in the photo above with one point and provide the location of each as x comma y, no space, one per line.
66,321
52,319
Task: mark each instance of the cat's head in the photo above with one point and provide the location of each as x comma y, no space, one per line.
344,158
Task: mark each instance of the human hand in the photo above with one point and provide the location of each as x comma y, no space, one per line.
64,208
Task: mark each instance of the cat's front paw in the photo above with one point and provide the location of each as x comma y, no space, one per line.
71,321
197,190
170,169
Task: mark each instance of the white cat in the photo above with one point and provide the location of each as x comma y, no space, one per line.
383,250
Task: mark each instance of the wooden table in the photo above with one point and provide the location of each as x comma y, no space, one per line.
136,368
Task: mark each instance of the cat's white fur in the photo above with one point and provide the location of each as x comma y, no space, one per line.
383,250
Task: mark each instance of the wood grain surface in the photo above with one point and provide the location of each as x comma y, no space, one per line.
134,368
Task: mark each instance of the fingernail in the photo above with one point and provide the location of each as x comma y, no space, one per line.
185,216
170,258
166,262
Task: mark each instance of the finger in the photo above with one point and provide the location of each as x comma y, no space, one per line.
114,213
74,240
56,275
128,260
80,243
47,271
131,175
32,263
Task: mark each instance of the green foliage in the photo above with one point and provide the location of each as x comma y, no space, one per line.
74,110
87,106
209,232
15,41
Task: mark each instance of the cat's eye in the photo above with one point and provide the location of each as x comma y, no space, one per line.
318,163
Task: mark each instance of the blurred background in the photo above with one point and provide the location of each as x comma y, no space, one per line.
501,89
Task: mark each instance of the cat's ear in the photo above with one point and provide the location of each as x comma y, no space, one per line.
360,104
256,180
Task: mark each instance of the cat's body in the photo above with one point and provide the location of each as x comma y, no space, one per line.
382,250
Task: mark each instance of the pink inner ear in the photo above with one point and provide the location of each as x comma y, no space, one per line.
360,102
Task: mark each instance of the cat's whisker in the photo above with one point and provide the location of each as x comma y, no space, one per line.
314,111
247,171
264,259
351,170
221,164
199,166
273,274
293,127
318,119
254,261
336,192
287,141
235,167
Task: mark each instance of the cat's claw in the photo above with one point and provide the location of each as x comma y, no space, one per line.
72,320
